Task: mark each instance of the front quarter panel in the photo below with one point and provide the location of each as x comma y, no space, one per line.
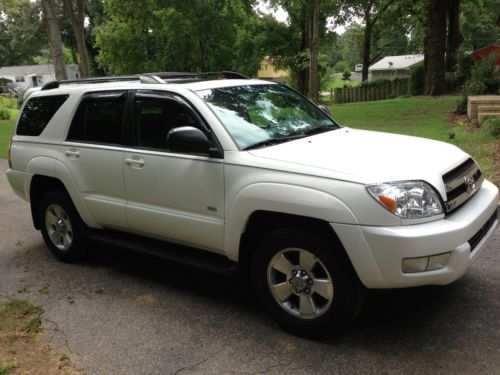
283,198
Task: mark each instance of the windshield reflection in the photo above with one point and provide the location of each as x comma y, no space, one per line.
255,114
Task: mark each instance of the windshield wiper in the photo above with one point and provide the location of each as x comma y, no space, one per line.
273,141
320,129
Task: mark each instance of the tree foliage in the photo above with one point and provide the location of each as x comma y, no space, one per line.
158,35
22,35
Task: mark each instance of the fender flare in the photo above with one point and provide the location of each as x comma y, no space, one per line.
282,198
50,167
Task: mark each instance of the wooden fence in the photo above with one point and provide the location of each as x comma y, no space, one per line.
386,90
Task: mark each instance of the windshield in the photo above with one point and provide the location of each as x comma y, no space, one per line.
260,115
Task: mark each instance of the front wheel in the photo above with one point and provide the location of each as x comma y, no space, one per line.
306,283
62,228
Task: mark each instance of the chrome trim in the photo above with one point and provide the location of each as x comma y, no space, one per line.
460,180
471,187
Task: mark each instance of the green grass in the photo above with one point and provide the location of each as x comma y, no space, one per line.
6,129
7,126
424,117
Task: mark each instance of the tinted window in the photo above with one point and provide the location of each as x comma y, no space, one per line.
37,113
99,119
156,115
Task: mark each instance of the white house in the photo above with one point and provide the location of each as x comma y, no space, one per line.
34,75
391,67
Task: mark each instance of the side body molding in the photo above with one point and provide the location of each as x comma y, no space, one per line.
283,198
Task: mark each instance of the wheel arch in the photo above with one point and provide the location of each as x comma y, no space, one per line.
54,176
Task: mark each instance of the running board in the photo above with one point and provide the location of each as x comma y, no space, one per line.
200,259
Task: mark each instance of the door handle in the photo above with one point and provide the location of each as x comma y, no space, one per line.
138,163
72,154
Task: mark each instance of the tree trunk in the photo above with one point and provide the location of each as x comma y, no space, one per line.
435,48
314,78
367,41
454,38
303,75
76,19
52,23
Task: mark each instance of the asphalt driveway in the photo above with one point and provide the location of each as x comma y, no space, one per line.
125,314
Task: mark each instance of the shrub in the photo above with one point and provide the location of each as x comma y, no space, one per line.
417,79
485,71
346,74
4,114
375,83
341,67
471,88
492,126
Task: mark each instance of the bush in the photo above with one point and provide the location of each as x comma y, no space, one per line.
417,79
492,126
341,67
375,83
346,74
485,71
471,88
4,114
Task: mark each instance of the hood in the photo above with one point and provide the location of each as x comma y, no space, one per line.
369,157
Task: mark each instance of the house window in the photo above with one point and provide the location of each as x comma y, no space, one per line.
393,73
19,79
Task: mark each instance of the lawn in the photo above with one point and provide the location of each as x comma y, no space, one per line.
424,117
7,126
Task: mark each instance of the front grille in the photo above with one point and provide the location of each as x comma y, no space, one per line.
475,239
461,184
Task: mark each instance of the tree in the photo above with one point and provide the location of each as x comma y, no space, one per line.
73,11
21,32
162,35
370,11
52,24
314,78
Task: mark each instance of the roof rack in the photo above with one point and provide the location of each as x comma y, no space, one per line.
159,77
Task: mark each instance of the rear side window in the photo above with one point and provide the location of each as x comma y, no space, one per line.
37,113
99,118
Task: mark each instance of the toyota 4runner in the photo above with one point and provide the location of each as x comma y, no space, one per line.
224,172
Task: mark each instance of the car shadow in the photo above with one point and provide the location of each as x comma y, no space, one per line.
387,315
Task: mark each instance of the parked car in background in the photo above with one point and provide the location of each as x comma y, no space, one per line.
358,68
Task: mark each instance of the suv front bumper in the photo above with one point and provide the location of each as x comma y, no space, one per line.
377,252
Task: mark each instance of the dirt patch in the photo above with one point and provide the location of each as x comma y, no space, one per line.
22,350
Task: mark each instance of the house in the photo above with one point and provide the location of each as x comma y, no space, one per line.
391,67
269,72
27,76
486,52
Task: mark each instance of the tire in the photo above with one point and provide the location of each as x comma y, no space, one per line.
306,283
62,228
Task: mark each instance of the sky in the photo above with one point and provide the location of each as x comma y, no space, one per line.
281,15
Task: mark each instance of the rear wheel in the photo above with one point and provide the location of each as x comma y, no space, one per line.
306,283
62,228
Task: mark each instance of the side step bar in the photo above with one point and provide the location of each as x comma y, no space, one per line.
210,262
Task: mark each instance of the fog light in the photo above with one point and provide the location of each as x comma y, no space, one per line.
421,264
410,265
438,261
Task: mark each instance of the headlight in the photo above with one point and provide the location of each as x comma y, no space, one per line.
409,200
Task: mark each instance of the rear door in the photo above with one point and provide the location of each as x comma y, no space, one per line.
93,153
173,196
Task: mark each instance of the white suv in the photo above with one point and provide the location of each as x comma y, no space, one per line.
244,174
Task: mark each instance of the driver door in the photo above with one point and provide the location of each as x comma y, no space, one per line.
173,196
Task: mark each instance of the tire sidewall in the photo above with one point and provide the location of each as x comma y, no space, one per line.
76,250
345,285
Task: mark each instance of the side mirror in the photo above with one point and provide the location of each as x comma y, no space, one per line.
188,139
325,109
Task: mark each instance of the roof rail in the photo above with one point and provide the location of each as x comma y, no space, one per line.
160,77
